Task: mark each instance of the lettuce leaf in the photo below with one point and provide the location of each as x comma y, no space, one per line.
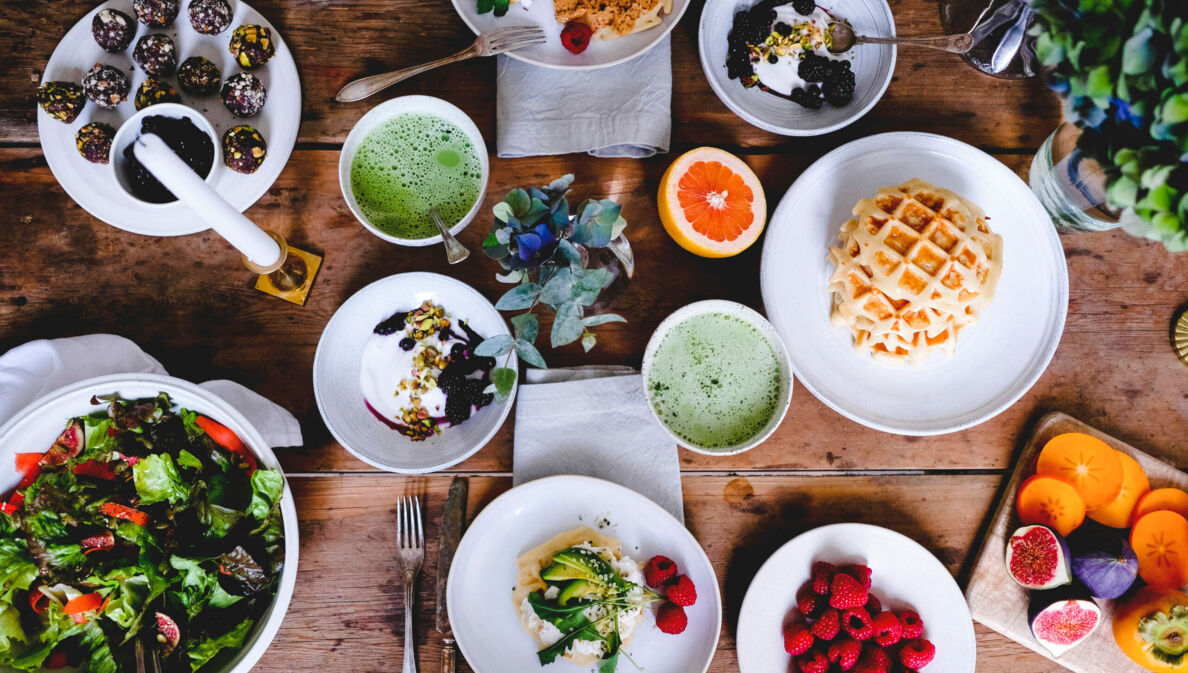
157,480
132,590
199,587
17,569
10,630
97,441
205,650
99,657
266,491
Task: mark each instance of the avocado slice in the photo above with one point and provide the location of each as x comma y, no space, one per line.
581,564
561,573
575,590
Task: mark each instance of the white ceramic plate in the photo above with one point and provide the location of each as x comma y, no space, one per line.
93,186
35,427
551,54
339,356
996,361
478,594
905,576
873,66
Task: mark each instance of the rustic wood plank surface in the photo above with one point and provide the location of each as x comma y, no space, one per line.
188,302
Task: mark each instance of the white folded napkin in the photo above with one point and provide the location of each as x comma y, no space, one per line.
620,111
39,367
595,421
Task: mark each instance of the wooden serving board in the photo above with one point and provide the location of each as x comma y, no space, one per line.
994,598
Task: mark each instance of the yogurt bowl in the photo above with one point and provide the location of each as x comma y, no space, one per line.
388,111
717,377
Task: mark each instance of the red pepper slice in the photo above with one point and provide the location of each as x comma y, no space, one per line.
17,500
93,468
226,438
83,603
119,511
57,659
29,465
37,600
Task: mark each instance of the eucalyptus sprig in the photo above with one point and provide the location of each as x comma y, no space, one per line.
1122,68
543,249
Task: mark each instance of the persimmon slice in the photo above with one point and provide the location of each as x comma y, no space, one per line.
1170,499
1160,540
1120,512
1087,463
1050,502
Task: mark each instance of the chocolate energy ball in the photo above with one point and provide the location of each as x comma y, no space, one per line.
156,55
210,17
197,76
155,90
243,94
113,30
94,142
61,100
252,45
156,13
106,86
244,149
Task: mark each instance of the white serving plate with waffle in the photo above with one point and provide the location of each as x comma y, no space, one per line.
996,361
93,186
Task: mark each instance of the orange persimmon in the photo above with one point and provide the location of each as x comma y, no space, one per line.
1170,499
1087,463
1149,628
1119,513
1050,502
1160,540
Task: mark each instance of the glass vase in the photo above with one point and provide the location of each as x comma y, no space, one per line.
617,258
1070,184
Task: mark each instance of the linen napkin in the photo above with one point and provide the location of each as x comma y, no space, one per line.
39,367
595,421
620,111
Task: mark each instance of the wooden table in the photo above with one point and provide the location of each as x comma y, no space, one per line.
188,302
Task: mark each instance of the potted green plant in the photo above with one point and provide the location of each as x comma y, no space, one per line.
1122,68
568,263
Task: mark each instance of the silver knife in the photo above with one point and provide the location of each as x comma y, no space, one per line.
453,522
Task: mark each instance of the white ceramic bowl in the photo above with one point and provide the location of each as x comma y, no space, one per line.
873,66
35,427
765,328
403,105
996,361
91,186
339,357
129,131
905,576
483,573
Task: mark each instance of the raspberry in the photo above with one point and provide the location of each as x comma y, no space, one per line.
575,36
912,626
809,603
827,626
671,618
859,572
658,570
876,658
682,592
822,577
887,629
873,605
813,662
844,652
797,639
846,592
858,624
917,653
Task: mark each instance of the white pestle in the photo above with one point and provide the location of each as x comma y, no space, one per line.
192,190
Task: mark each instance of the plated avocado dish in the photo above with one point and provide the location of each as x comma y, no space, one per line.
143,524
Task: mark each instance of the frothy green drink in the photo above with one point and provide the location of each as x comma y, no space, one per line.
410,164
715,380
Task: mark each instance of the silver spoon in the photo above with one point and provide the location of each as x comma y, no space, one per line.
455,251
844,39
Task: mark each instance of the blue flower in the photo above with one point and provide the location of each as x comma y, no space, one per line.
1124,113
528,244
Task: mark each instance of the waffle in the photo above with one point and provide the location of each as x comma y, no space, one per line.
914,268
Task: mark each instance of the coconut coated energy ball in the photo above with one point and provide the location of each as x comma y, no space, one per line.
210,17
106,86
243,94
156,55
113,30
156,13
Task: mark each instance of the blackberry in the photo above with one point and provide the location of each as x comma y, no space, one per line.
457,411
473,390
839,88
407,343
772,58
391,325
802,98
761,18
804,7
782,29
459,352
450,382
813,68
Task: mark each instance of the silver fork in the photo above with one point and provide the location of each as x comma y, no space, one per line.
488,44
410,539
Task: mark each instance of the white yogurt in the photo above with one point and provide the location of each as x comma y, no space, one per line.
782,76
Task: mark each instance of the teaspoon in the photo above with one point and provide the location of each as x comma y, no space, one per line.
455,251
844,39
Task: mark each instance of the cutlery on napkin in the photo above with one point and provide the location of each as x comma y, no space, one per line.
621,111
40,367
595,421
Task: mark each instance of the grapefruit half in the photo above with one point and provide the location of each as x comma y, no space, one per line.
711,203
